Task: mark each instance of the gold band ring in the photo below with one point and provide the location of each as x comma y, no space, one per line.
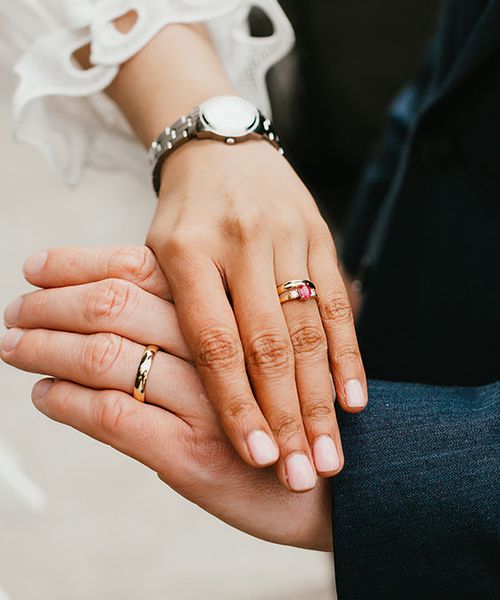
293,284
143,372
296,289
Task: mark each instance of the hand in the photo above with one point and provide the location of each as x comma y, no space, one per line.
232,223
59,331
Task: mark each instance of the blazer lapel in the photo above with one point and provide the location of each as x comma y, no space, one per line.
482,43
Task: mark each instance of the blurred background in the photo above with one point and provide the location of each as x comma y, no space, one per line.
79,521
333,91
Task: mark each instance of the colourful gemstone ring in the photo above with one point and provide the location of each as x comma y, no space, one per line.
297,289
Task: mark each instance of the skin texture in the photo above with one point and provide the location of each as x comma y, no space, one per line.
87,328
231,224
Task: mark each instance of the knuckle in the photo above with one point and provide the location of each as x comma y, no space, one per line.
108,300
183,245
237,408
336,308
291,228
176,244
270,350
242,227
308,339
347,354
318,411
134,263
111,413
101,352
217,349
285,427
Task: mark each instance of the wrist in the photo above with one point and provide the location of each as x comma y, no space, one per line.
176,70
231,120
222,162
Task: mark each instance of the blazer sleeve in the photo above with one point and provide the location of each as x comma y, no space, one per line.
416,511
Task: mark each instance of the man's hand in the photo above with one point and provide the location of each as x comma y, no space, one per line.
88,328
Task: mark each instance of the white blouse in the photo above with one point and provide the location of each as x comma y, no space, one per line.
61,108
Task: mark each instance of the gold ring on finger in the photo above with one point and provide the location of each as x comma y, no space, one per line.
143,372
296,289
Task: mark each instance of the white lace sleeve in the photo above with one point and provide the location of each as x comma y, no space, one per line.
62,110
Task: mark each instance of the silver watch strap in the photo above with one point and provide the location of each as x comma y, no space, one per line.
185,129
267,131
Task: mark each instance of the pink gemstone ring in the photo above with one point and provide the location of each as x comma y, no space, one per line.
296,289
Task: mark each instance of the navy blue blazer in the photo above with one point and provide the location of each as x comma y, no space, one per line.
424,232
416,509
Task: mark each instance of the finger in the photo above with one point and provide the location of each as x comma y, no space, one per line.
111,305
336,314
211,332
150,435
312,369
270,364
106,361
61,267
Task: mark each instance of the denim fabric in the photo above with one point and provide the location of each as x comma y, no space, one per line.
416,510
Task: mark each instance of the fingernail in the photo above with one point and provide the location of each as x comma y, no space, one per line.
11,339
262,448
326,457
12,312
41,389
355,396
301,475
34,264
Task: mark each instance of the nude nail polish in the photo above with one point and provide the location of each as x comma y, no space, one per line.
262,448
300,473
326,457
355,396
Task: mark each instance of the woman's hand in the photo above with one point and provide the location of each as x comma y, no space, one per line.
89,330
233,223
237,220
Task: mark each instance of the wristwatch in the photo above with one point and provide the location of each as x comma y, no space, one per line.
230,119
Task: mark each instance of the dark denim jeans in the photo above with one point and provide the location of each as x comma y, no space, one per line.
416,511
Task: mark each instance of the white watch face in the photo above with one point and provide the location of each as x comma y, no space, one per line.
229,116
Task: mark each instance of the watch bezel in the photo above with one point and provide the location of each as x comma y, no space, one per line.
238,132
